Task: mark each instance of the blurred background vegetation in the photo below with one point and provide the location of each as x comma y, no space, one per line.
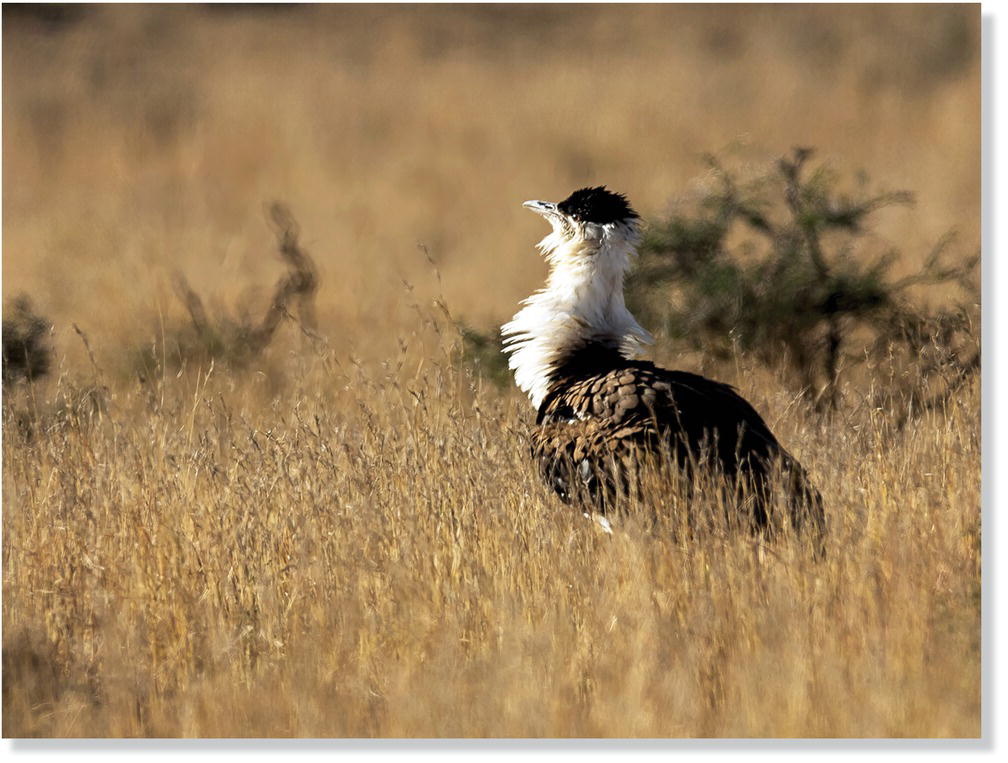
142,144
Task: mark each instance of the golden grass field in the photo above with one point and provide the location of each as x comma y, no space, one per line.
343,536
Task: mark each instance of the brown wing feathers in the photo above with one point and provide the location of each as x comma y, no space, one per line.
597,427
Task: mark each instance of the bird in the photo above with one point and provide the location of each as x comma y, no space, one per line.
604,416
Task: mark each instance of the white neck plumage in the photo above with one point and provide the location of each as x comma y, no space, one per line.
581,305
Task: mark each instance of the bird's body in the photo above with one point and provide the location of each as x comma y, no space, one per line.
603,416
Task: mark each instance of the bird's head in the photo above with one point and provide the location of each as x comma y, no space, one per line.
595,233
589,223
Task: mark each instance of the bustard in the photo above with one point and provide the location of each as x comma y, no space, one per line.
601,413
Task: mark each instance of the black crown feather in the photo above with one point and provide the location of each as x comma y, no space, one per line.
597,205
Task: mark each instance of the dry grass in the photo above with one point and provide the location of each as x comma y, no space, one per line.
344,538
370,554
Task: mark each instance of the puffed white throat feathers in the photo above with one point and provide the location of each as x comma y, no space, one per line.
581,304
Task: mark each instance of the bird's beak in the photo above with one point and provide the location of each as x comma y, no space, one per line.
545,208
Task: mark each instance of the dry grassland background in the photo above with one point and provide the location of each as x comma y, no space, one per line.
341,535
